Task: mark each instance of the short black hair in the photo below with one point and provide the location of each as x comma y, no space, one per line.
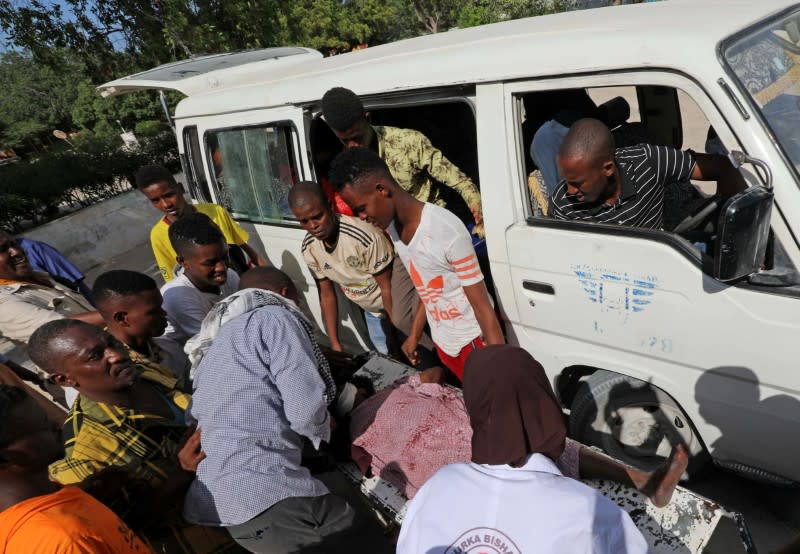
119,283
39,345
341,108
265,277
588,139
354,163
10,397
193,229
151,174
305,189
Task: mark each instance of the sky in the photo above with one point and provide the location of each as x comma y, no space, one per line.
23,3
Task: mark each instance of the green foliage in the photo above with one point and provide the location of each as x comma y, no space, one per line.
160,149
482,12
325,24
83,109
92,112
27,131
36,98
95,169
106,129
433,16
150,128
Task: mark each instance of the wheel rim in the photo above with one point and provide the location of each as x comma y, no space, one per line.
642,432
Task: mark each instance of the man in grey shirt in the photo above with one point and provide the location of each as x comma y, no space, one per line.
257,393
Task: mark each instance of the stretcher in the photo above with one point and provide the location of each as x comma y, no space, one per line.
684,526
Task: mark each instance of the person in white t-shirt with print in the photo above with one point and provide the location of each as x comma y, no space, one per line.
436,249
511,497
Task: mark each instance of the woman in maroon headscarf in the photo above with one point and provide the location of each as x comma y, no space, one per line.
512,497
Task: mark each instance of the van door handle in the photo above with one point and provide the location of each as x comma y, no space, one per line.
536,286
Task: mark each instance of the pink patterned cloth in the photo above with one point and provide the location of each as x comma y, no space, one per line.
406,432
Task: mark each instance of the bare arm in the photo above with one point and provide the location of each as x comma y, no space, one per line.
330,311
713,167
254,256
384,280
409,347
478,297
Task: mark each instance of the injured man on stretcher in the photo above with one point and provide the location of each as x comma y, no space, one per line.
407,431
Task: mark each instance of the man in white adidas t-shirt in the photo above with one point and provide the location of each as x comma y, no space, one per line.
436,249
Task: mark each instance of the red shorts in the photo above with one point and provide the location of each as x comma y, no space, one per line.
456,363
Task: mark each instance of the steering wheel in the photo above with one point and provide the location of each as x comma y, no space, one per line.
702,212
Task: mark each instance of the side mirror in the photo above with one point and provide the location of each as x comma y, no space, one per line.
742,234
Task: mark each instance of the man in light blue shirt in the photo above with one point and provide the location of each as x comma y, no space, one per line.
257,393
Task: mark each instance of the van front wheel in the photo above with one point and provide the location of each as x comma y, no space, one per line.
632,421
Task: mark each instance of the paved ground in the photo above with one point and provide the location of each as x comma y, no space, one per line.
139,258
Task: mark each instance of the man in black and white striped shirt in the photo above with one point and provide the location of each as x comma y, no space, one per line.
625,186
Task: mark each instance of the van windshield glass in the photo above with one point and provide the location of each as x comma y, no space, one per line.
767,65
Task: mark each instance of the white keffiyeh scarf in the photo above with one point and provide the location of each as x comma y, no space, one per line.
243,302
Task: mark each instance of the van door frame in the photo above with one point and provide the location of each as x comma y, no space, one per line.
422,97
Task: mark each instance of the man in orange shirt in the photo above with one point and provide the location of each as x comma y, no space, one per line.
38,516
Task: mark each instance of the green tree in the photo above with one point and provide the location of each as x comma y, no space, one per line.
24,133
108,34
433,16
36,98
327,23
112,38
103,116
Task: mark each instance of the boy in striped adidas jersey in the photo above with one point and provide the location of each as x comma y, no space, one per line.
436,249
350,253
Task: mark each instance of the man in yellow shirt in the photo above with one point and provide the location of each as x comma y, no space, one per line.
166,195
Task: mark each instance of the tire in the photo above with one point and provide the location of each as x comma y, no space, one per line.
633,422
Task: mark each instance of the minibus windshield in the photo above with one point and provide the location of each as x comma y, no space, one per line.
766,62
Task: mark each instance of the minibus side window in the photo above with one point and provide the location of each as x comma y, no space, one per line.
642,114
194,165
254,168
